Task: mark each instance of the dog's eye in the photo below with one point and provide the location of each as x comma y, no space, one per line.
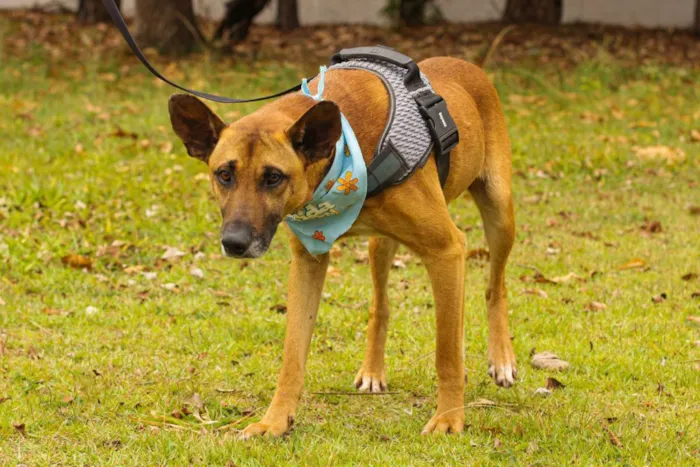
272,179
224,177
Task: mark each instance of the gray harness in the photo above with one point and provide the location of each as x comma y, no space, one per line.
418,117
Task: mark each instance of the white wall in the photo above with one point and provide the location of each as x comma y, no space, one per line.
650,13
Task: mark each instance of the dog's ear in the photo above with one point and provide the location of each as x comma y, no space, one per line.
196,125
315,133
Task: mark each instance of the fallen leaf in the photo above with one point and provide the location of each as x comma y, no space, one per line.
279,308
172,253
634,263
20,428
544,392
596,306
652,227
691,276
32,353
549,361
663,153
496,443
52,312
149,275
2,302
613,438
77,261
538,292
478,254
694,319
659,298
91,310
553,383
567,278
695,135
196,272
194,401
398,264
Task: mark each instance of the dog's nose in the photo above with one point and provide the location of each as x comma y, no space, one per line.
237,241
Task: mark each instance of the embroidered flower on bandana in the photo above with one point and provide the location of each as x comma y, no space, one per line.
347,184
318,235
329,185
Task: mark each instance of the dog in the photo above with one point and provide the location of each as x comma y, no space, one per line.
267,165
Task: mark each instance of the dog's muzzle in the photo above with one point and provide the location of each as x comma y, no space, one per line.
239,240
236,240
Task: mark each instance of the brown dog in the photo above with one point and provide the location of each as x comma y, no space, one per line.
268,164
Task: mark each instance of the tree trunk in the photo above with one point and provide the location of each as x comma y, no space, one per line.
412,12
168,26
287,16
92,11
238,18
533,11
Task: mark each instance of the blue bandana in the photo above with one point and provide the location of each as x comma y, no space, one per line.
338,200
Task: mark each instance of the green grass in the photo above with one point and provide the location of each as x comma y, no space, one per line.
93,388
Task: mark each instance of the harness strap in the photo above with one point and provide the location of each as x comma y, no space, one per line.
119,22
388,166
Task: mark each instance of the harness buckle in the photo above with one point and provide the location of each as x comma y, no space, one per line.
442,127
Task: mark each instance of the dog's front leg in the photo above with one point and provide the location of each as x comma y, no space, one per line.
306,277
446,270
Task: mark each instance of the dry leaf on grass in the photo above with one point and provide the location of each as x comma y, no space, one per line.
553,383
634,263
659,298
691,276
596,306
544,392
538,292
567,278
196,272
194,401
77,261
694,319
663,153
614,440
549,361
652,227
479,254
21,429
172,253
279,308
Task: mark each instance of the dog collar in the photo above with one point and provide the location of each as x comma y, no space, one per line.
338,199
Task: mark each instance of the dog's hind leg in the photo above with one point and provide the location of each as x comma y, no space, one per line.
371,376
495,202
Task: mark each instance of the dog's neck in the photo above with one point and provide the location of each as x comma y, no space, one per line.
363,100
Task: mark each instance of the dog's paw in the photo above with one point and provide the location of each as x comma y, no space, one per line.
370,381
448,422
502,367
273,428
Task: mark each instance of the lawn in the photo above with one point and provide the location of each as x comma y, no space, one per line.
155,350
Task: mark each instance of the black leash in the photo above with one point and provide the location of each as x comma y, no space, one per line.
119,22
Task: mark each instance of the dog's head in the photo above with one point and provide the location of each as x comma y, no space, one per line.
259,167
